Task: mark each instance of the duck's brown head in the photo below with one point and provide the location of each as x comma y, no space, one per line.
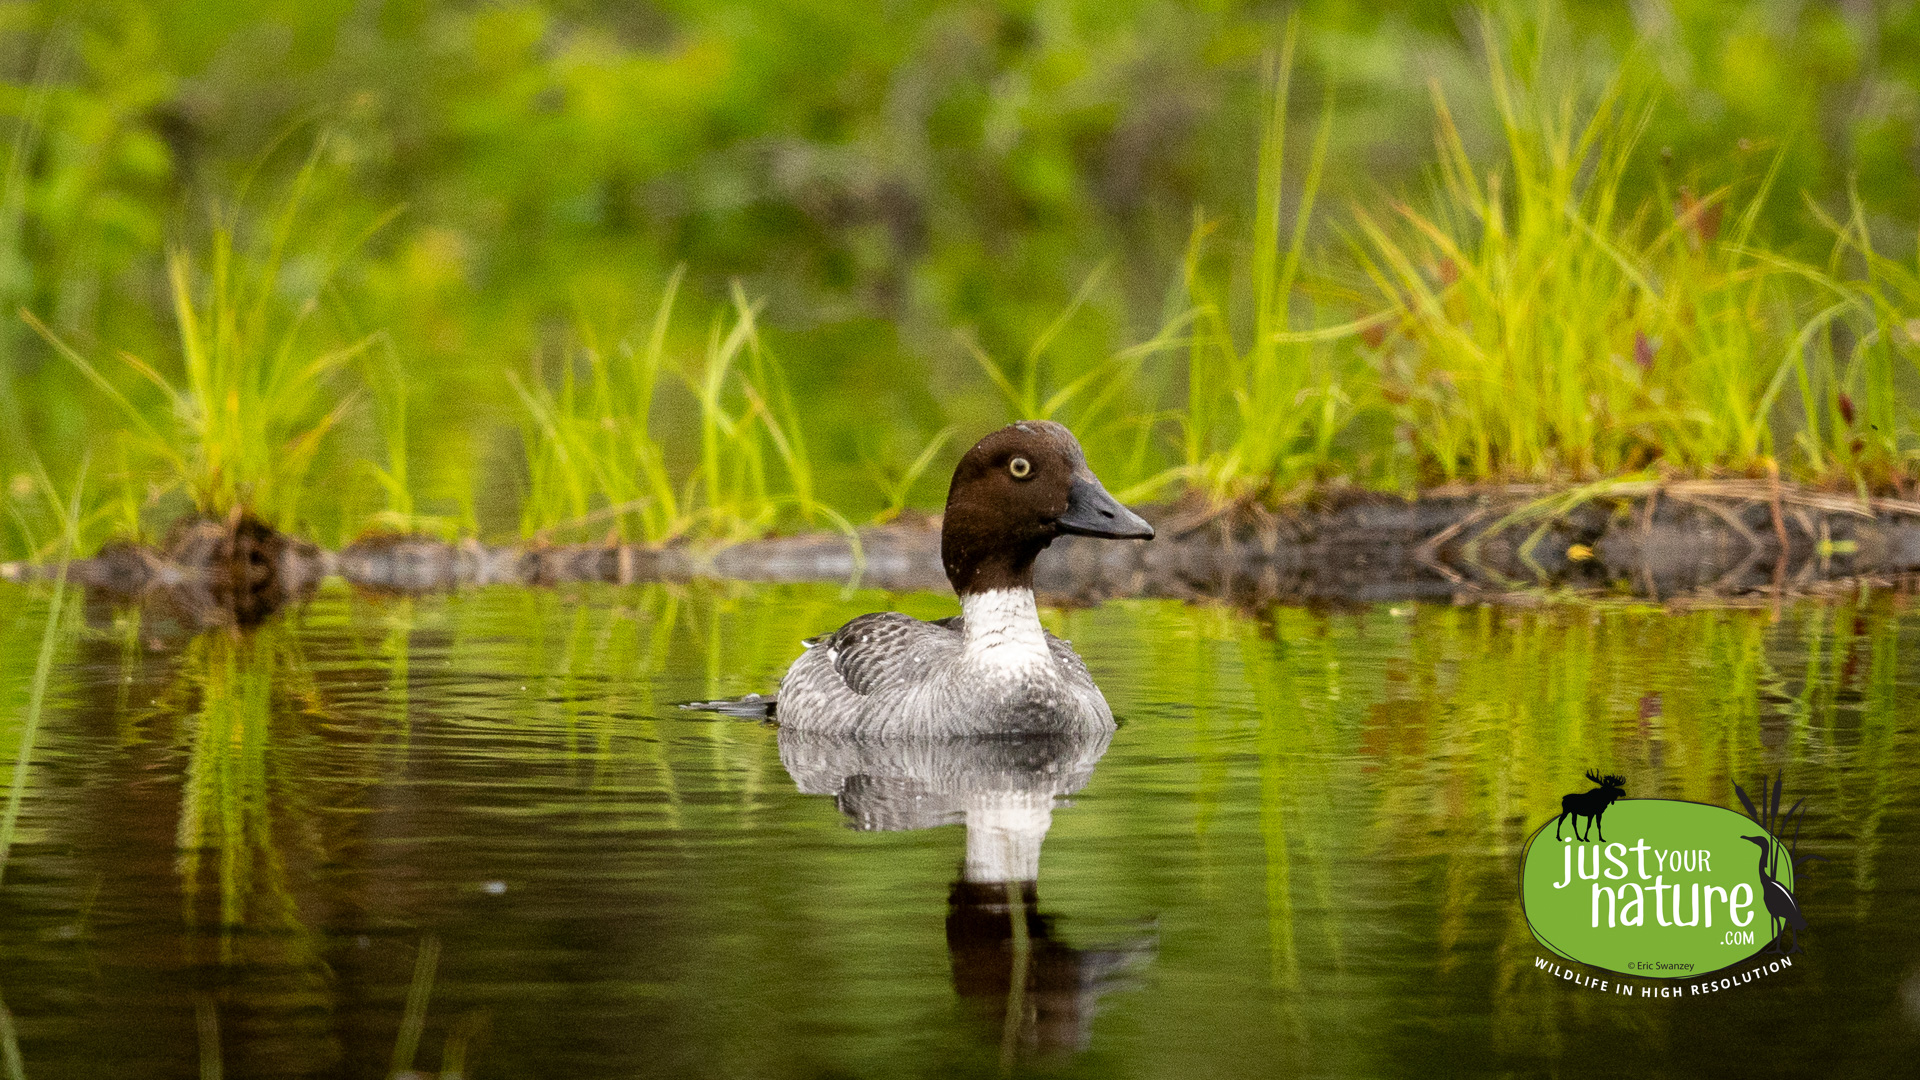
1015,491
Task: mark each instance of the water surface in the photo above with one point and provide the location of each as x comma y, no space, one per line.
472,832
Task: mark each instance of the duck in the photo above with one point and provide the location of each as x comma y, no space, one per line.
992,669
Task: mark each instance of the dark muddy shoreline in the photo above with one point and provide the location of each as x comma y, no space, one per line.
1691,540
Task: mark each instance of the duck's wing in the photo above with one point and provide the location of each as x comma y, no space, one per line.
1069,661
885,649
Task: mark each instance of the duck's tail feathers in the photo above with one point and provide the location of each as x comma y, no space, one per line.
750,707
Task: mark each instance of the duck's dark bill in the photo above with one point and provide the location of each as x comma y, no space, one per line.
1093,512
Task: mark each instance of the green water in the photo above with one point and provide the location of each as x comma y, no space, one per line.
472,831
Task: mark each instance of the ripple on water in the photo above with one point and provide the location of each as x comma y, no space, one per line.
1297,854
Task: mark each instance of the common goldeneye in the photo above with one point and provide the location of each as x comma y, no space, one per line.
992,669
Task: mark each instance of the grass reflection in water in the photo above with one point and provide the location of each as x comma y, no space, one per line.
470,832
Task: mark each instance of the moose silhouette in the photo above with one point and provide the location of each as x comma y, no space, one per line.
1590,804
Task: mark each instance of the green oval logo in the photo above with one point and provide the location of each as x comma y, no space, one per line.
1676,889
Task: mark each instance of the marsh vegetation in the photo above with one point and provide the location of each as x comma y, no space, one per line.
515,300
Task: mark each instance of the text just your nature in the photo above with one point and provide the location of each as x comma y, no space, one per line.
1626,903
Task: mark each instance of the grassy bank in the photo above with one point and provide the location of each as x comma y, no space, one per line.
1554,303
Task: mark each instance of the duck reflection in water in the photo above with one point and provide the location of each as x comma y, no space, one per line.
1036,993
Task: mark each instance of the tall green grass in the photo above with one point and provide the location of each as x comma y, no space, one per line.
1546,329
1525,318
1108,400
597,467
1263,406
1860,415
240,421
592,459
386,379
1260,402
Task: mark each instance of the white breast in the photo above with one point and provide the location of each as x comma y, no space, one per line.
1003,631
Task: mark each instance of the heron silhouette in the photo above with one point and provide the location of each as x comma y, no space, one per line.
1780,902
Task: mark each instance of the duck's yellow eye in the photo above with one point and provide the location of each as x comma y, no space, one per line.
1020,467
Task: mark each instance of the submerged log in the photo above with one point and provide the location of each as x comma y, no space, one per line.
209,572
1658,541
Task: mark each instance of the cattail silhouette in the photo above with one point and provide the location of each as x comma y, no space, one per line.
1780,901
